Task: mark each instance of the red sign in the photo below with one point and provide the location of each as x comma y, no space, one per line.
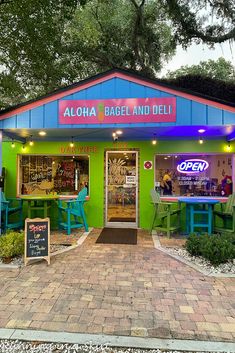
122,111
148,165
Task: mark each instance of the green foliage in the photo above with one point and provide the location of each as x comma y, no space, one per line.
12,244
206,86
47,44
219,69
192,245
215,248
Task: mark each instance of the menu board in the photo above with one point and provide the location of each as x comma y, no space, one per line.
37,239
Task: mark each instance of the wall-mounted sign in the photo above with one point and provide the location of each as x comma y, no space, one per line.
192,166
148,165
78,149
111,111
130,179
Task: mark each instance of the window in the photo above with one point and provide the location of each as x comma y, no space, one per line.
194,175
52,174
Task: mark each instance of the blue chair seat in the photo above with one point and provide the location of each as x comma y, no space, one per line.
11,213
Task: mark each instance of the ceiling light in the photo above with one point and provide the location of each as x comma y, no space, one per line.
13,144
201,131
42,133
119,132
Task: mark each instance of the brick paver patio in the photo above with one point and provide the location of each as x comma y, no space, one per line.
118,289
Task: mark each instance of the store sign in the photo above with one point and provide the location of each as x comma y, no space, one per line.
192,166
111,111
130,179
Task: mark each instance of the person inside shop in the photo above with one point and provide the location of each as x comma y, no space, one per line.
227,185
167,183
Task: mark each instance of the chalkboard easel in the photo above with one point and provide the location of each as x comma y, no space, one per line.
37,239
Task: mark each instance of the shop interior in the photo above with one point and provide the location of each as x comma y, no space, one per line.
216,180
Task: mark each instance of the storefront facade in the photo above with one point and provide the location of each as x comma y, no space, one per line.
100,134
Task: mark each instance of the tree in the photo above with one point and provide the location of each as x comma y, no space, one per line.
31,48
46,44
220,69
121,34
207,21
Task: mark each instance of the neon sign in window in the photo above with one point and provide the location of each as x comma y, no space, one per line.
192,166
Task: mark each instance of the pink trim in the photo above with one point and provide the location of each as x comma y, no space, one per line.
106,78
175,198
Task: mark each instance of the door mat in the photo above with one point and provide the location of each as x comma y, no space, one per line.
122,219
118,236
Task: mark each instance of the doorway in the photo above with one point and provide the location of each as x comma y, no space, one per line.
121,188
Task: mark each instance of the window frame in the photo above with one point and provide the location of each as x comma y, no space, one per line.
19,155
197,154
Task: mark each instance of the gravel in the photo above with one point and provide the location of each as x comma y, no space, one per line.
226,268
11,346
19,260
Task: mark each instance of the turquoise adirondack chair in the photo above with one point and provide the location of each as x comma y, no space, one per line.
11,213
163,214
226,214
71,213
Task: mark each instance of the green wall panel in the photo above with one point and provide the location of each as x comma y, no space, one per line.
96,150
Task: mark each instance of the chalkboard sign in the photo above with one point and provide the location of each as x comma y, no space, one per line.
37,239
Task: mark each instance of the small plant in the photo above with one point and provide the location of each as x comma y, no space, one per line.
192,245
215,248
12,244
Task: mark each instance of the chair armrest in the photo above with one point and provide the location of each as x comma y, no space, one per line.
14,200
168,203
5,202
69,203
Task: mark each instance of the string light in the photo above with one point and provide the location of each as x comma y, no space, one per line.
23,147
115,136
13,144
200,141
31,143
154,140
71,143
228,147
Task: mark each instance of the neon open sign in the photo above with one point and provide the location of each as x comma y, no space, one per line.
192,166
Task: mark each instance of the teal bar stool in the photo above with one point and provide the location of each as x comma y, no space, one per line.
71,213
